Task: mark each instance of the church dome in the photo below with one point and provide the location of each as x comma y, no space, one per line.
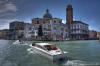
47,14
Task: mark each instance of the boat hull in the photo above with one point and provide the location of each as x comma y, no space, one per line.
54,58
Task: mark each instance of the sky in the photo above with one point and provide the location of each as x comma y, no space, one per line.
87,11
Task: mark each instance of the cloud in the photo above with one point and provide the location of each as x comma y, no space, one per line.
7,7
4,23
64,21
5,26
7,13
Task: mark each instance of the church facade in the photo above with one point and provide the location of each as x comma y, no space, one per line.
53,28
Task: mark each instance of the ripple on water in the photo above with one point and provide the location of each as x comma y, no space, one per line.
9,63
80,63
30,51
23,55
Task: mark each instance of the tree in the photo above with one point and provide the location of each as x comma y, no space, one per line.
40,32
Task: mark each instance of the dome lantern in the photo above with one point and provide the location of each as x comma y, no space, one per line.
47,14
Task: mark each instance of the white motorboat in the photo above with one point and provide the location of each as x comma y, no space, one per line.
50,51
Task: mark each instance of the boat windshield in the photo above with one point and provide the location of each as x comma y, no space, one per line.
50,47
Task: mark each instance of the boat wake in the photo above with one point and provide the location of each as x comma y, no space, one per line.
20,44
79,63
30,51
17,42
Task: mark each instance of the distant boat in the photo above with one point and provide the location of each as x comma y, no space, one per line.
50,51
19,42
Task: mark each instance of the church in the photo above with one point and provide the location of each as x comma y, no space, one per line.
53,28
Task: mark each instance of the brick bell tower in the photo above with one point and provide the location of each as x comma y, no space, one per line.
69,19
69,14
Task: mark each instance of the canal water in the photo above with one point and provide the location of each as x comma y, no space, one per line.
80,53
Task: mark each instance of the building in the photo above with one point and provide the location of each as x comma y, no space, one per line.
69,18
17,25
76,29
28,31
92,34
16,29
14,34
69,14
53,28
4,34
79,30
98,35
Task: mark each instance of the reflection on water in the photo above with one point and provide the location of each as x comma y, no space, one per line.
81,53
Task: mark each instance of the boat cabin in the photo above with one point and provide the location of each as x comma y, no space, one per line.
45,46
